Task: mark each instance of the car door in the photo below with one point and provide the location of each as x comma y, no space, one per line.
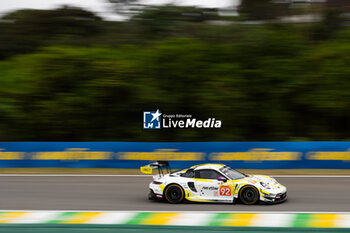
209,188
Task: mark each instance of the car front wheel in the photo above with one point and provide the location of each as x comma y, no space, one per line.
249,195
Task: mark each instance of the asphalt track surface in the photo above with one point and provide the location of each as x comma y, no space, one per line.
125,193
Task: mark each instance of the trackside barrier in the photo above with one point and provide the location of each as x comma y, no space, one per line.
245,155
268,220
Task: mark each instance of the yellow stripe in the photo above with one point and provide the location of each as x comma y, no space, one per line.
323,220
203,180
159,218
83,217
239,220
11,216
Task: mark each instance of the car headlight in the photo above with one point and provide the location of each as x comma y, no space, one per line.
265,185
269,195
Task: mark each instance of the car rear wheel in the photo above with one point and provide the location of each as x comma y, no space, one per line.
249,195
174,194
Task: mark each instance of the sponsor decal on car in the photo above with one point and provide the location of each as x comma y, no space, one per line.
252,181
225,190
210,188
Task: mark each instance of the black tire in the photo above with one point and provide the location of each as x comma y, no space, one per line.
249,195
174,194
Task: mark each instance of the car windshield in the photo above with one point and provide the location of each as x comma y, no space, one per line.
232,173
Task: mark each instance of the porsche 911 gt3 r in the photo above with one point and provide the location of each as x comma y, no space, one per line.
213,183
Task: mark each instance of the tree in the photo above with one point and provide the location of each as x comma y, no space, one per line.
331,23
258,9
25,30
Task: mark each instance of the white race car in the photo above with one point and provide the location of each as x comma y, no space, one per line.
212,183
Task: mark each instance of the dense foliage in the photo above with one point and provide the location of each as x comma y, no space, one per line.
75,77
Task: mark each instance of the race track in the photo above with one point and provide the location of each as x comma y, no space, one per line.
130,193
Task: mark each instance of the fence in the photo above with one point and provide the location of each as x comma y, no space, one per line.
246,155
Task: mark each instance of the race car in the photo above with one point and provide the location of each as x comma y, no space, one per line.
212,183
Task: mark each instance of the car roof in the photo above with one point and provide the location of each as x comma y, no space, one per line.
214,166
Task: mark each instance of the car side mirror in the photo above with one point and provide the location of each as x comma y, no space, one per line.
221,178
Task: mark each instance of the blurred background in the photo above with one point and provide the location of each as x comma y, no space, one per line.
269,70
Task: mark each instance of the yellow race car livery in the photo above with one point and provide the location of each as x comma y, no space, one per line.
213,183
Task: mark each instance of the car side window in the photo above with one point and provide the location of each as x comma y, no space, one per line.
189,173
207,174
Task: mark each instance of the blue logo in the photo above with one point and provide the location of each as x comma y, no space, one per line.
151,120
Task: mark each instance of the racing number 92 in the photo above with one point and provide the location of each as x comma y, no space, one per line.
225,190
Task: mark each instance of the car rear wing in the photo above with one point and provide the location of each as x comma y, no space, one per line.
159,165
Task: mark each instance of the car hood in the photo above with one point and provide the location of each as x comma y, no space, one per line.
271,182
261,178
